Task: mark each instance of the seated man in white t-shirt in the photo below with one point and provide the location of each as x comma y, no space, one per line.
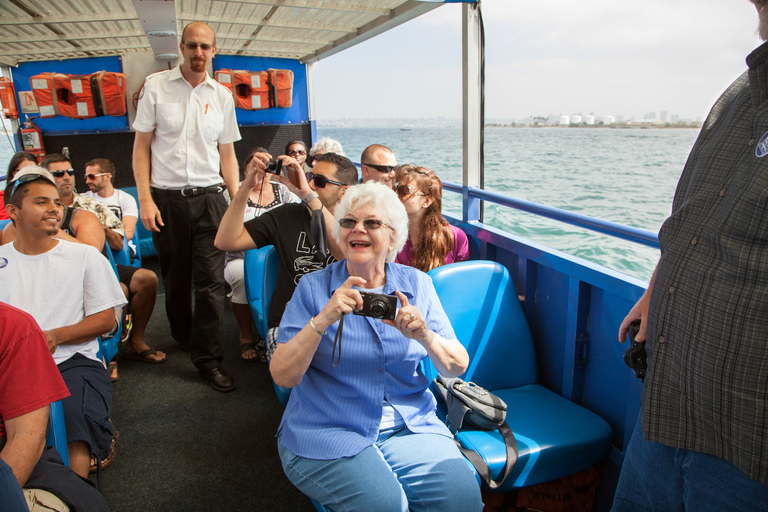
70,290
140,286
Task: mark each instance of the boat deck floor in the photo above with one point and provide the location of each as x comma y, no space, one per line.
184,446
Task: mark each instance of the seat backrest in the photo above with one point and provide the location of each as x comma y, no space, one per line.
260,278
482,304
123,255
142,237
137,249
110,343
57,431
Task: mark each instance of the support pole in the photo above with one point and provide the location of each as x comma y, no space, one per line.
472,108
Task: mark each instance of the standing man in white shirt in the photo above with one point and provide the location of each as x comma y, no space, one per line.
183,160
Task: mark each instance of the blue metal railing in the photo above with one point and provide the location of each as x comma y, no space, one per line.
639,236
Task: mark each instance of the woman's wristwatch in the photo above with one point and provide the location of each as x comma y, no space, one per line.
309,197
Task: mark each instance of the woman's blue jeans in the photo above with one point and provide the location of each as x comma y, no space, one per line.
657,477
401,471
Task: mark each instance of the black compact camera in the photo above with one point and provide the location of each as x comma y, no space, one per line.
274,166
635,357
378,305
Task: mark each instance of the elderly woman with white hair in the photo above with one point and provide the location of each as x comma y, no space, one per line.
360,430
325,145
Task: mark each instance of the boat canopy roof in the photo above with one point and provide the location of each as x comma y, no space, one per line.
305,30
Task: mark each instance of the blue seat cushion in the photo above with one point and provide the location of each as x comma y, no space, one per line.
555,437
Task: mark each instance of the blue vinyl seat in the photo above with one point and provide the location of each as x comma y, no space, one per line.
57,431
555,436
260,275
142,238
4,223
123,255
109,344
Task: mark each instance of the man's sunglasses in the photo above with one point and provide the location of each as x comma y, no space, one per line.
406,190
25,179
203,46
348,223
295,152
321,181
384,169
59,174
94,176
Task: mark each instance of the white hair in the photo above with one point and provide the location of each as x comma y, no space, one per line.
386,203
326,145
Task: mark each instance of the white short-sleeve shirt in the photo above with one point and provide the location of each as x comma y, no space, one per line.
59,288
188,124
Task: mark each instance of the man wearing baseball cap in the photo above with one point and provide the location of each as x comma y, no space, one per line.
71,292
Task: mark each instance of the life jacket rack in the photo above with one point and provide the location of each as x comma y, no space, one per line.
258,90
79,96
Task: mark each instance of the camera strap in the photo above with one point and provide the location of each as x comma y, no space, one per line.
337,341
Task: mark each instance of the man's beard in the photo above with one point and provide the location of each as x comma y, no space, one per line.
197,65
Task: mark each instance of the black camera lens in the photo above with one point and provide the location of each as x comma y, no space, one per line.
378,308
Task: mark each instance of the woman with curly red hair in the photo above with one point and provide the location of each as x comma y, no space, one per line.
432,241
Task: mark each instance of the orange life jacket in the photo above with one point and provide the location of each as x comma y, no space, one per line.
281,81
79,96
8,98
249,88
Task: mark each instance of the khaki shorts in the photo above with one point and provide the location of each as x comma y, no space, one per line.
39,500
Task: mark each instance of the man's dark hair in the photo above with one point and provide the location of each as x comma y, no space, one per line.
346,172
105,166
52,158
16,159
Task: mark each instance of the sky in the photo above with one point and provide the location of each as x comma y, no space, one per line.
606,57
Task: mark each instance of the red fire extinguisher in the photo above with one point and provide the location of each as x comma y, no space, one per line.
32,139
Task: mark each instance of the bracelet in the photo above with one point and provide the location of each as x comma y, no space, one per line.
309,197
312,325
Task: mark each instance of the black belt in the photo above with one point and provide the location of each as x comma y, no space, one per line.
190,191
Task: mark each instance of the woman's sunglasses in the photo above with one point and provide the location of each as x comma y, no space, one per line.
321,181
407,190
59,174
348,223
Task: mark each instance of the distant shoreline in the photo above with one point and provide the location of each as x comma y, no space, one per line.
615,126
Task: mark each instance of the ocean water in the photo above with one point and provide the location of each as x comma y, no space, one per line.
625,176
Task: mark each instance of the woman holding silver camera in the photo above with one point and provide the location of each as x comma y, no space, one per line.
360,430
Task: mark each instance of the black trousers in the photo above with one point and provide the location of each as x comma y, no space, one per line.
186,251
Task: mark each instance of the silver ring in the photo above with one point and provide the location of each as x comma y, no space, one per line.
413,317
